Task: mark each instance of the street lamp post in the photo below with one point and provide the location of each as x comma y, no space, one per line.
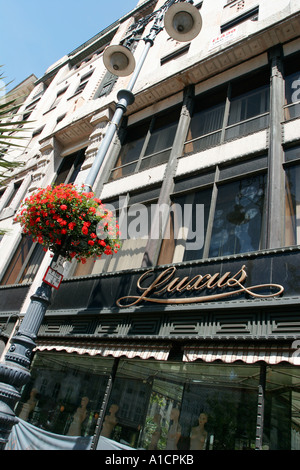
183,22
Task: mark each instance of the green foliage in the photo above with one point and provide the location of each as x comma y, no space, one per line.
8,131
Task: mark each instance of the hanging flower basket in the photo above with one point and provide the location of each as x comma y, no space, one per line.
69,222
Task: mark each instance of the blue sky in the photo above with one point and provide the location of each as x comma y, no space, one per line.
36,33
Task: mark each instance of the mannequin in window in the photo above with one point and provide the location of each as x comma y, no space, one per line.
110,421
29,406
198,435
156,434
174,430
78,418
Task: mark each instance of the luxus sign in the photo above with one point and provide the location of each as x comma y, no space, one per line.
168,288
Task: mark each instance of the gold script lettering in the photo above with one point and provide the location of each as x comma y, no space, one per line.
167,283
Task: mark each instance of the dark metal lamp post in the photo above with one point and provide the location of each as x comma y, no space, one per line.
182,22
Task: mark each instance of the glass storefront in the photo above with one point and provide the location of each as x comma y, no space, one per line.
163,405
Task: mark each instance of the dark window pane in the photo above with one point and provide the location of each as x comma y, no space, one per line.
249,104
154,160
17,262
79,159
13,193
292,96
70,167
238,217
206,120
133,144
130,152
292,154
202,143
122,171
161,138
292,88
292,206
254,125
185,233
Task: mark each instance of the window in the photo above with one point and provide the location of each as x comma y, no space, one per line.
70,167
238,217
106,85
175,54
83,82
58,393
133,212
147,144
29,255
211,406
292,89
58,98
38,131
248,15
14,190
249,110
206,122
239,109
13,196
228,221
25,262
292,197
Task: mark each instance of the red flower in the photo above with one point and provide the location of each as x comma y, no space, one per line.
41,218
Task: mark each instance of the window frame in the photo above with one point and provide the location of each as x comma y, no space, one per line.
214,178
150,129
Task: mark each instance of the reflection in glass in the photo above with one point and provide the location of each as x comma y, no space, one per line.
147,144
164,405
186,406
203,129
292,206
185,233
237,226
65,393
292,96
282,409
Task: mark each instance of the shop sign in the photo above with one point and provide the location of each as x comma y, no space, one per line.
216,286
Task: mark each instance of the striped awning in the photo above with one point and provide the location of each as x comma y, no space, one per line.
247,353
130,350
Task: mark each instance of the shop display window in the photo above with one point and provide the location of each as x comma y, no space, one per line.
65,393
282,409
162,405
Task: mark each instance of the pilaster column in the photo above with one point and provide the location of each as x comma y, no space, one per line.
275,200
153,246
